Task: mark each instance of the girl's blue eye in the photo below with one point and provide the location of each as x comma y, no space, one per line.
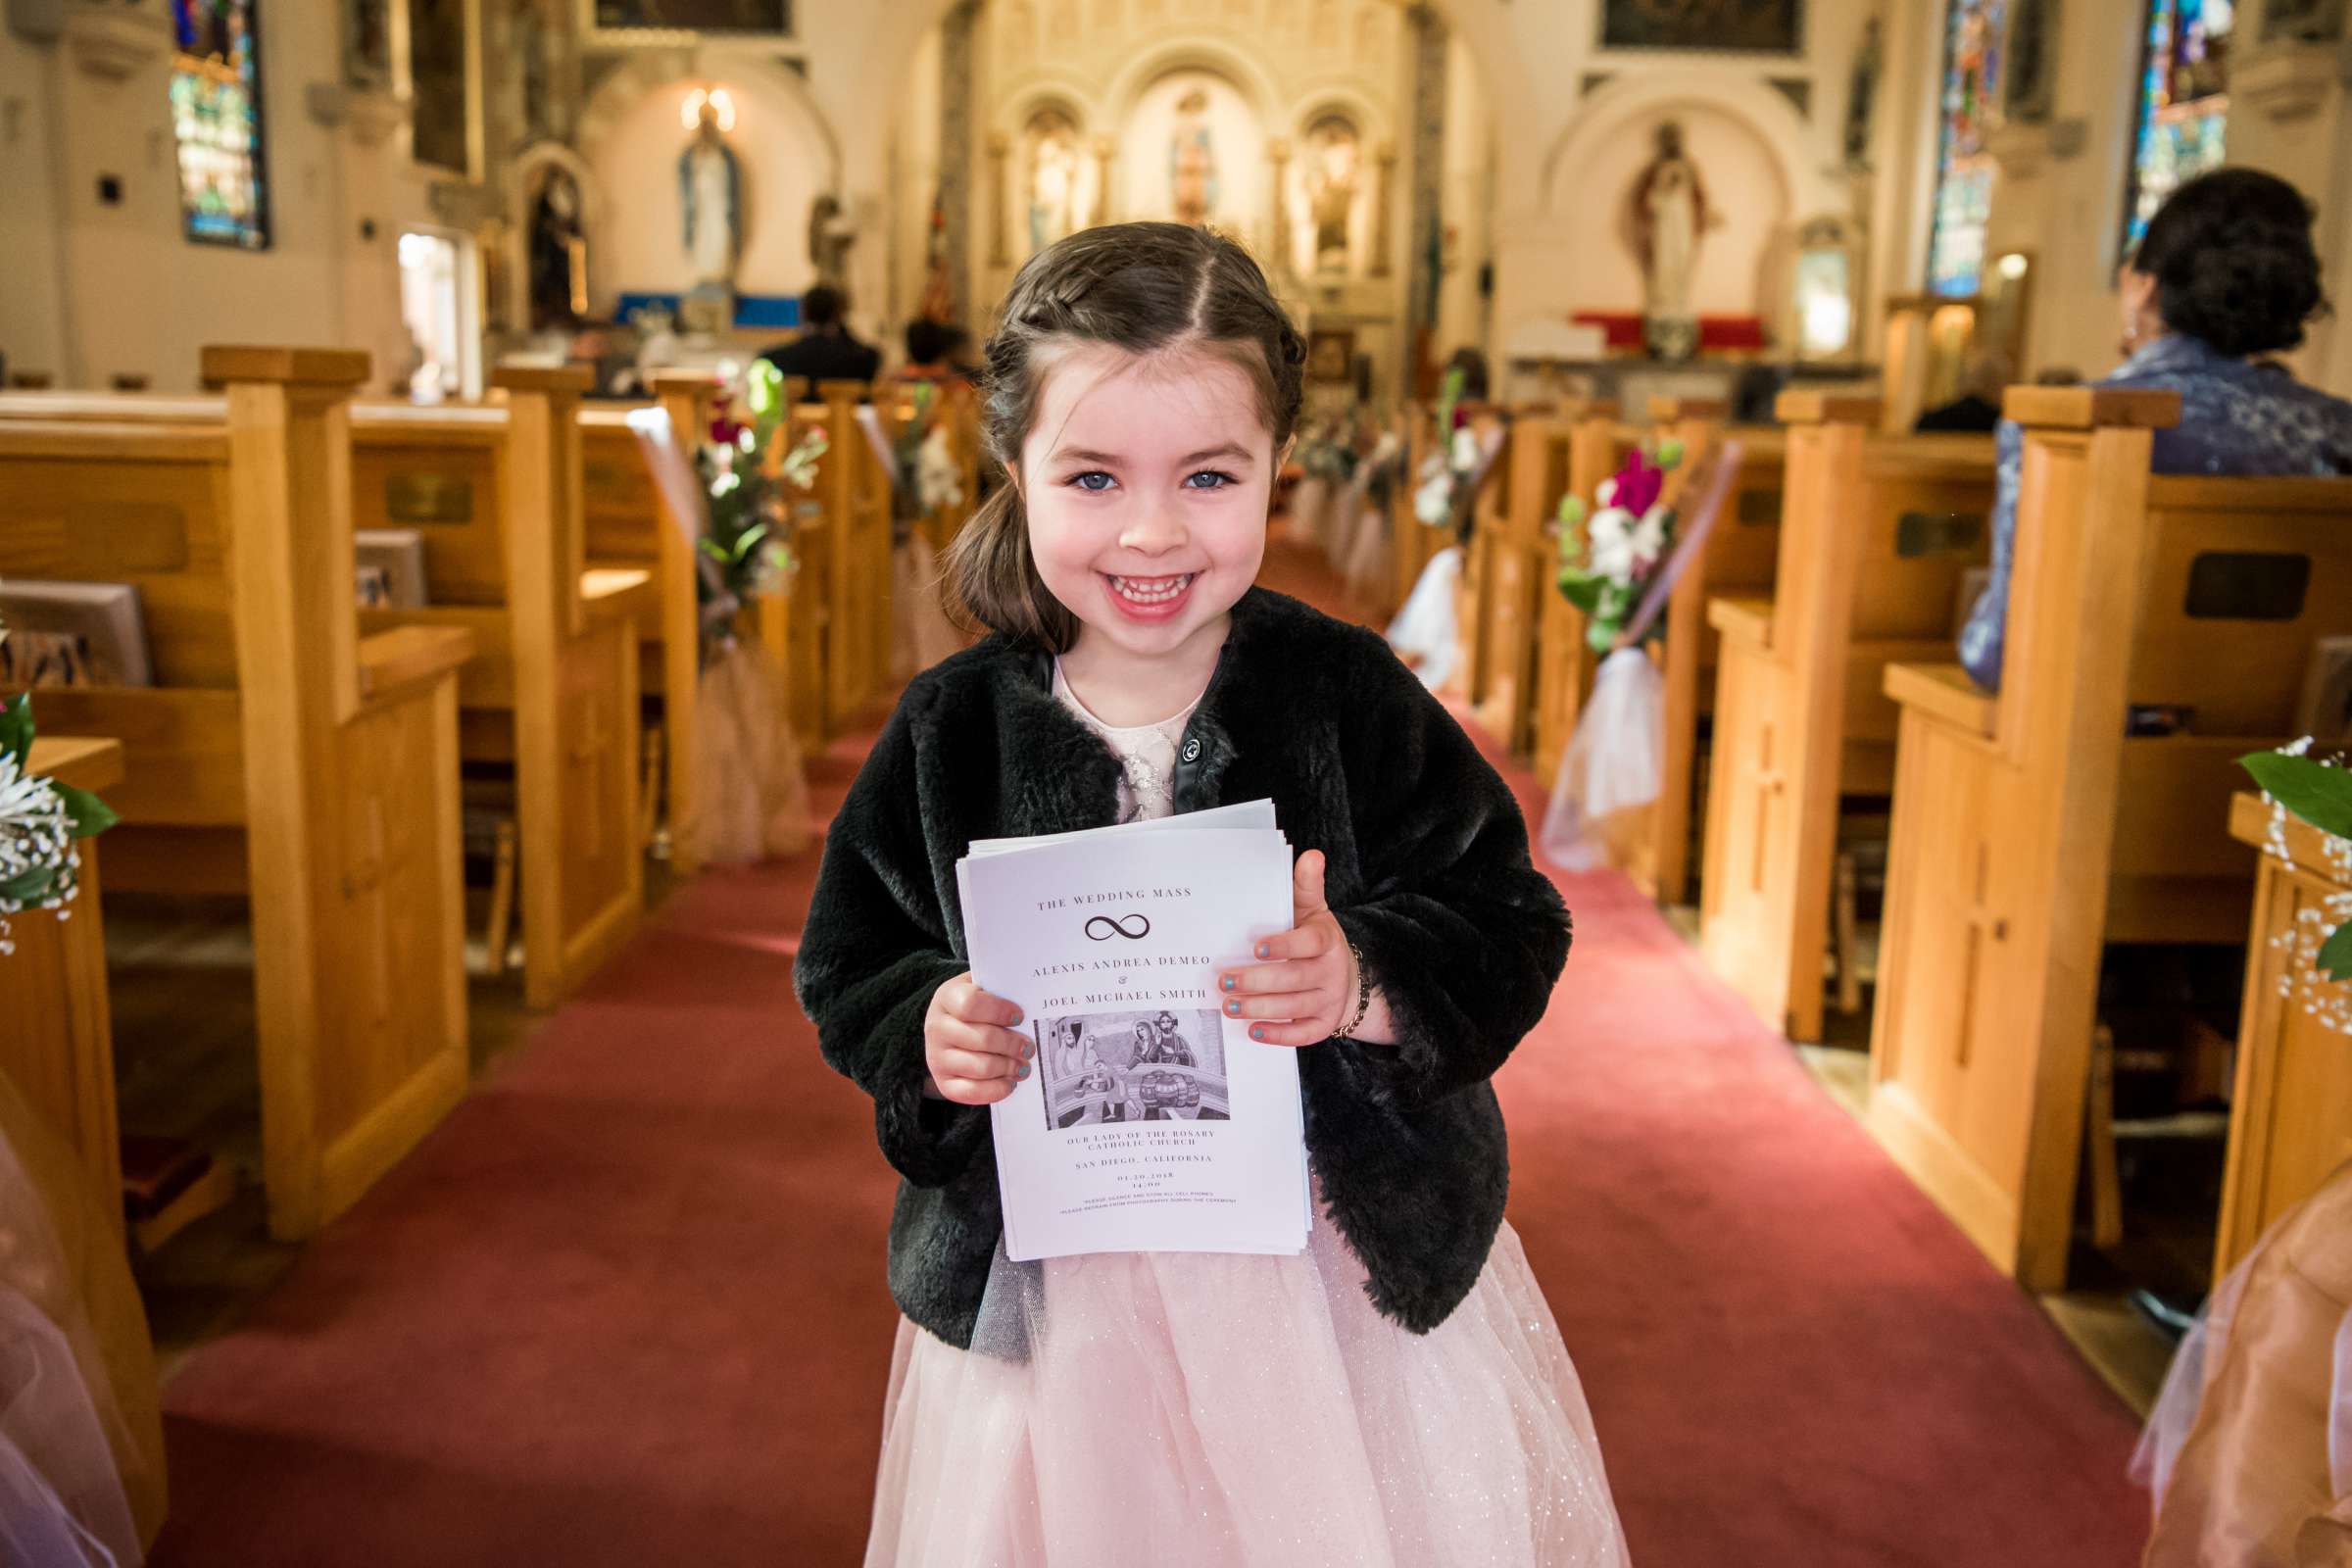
1086,481
1218,480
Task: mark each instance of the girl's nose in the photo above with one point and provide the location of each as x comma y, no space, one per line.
1154,528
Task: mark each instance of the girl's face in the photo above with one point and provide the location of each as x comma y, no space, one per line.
1147,481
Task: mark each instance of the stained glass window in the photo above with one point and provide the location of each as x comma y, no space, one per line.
1964,168
216,117
2183,102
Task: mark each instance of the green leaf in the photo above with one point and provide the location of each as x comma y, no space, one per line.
89,814
763,386
28,887
2312,791
2335,957
16,727
1580,591
1600,635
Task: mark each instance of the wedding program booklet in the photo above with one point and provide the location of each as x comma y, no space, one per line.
1150,1121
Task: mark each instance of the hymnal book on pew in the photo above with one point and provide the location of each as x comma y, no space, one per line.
1150,1121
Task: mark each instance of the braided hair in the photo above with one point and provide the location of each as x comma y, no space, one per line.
1147,288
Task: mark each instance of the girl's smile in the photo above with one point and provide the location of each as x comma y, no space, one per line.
1146,480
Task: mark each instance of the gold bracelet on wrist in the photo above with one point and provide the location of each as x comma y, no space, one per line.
1363,996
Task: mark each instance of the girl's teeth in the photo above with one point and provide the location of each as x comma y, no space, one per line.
1151,590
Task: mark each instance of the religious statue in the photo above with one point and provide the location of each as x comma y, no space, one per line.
558,253
1668,215
711,187
1334,161
1193,159
2030,76
1052,179
831,234
1861,98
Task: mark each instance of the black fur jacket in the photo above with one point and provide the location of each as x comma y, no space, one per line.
1428,874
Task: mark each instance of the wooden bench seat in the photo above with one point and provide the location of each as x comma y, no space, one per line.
320,765
2030,830
1876,535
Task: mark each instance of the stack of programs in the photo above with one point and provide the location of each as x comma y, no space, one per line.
1152,1122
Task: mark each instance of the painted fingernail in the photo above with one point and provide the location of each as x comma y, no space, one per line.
1230,982
1016,1015
1263,951
1258,1032
1024,1072
1233,1009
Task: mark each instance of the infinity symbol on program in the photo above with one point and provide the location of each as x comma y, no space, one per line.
1117,927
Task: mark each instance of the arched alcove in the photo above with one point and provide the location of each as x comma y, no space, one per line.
631,136
1750,148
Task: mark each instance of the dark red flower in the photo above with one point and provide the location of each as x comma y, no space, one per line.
1638,483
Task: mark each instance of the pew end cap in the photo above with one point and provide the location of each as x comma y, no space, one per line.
1668,409
1746,618
2089,408
554,379
408,656
222,362
85,761
1812,406
1944,692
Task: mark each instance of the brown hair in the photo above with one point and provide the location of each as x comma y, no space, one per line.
1143,287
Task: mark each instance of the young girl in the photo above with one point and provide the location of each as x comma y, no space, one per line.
1396,1394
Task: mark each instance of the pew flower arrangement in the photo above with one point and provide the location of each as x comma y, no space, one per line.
928,476
2317,791
1607,557
1448,472
753,470
41,824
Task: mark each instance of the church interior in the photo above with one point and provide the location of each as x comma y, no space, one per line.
475,477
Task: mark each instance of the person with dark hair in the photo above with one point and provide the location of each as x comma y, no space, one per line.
1976,411
1143,389
825,351
1471,363
934,352
2224,276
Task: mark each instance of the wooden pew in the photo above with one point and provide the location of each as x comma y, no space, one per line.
1519,549
1739,558
1564,661
553,689
57,1038
629,527
1484,551
831,628
1877,535
1412,541
281,755
2028,830
2291,1116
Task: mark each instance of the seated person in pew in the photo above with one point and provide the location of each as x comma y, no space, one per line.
1976,411
825,351
934,352
2225,274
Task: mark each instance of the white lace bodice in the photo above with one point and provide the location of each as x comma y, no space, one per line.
1146,753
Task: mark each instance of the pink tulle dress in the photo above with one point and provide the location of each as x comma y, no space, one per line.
1200,1410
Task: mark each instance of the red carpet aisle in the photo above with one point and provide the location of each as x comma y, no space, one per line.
628,1307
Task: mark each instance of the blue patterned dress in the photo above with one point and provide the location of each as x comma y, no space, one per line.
2237,417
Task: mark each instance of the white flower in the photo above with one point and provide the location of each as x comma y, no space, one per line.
1465,450
1432,502
36,835
1609,543
938,480
1650,539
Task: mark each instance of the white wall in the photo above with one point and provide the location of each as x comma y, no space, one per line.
33,326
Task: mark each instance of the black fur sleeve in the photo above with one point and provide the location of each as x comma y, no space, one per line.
1460,932
874,950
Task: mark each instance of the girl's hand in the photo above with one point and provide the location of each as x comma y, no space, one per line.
975,1056
1313,985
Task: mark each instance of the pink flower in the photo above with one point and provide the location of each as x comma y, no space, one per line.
1638,483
